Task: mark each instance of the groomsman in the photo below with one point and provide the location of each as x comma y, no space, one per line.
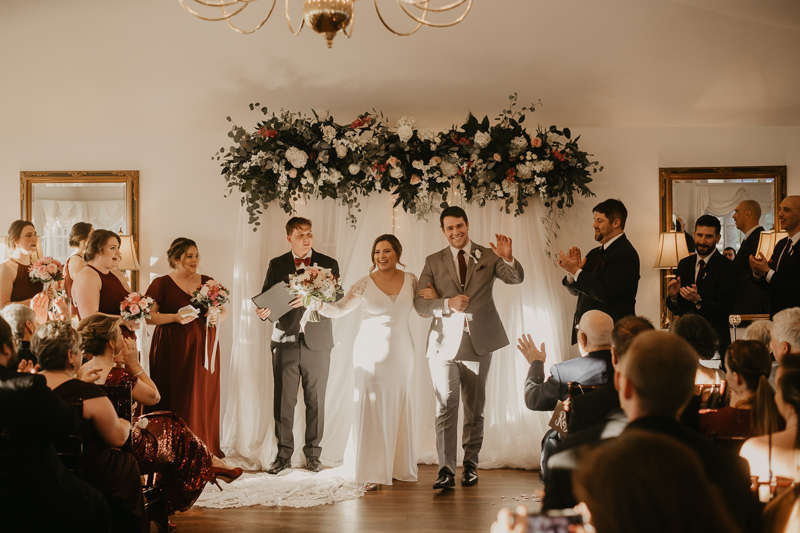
704,283
298,354
608,278
751,297
782,273
464,332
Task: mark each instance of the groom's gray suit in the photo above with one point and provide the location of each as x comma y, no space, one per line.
460,345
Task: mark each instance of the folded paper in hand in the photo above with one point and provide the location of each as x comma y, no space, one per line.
276,299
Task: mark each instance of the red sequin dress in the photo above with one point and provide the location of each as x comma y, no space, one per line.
24,288
177,354
112,292
167,447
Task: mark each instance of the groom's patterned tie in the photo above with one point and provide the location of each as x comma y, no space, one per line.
462,267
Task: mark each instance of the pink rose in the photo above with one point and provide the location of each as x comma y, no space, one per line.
393,161
41,271
52,269
135,309
536,142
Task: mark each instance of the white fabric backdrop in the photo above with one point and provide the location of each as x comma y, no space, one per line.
512,432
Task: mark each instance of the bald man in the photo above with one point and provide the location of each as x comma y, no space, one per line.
751,297
781,274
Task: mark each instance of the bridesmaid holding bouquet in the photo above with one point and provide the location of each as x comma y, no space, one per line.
184,359
16,285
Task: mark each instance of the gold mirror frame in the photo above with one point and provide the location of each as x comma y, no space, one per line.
668,175
129,177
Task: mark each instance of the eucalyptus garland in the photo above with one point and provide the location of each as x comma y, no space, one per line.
290,156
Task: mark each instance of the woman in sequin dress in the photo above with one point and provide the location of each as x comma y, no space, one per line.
15,282
163,443
100,287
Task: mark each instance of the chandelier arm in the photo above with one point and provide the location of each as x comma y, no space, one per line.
289,21
344,30
433,24
252,30
419,3
221,3
380,17
201,17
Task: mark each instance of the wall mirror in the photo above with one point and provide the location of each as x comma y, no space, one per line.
688,193
54,201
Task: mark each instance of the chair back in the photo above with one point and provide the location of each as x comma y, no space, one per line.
713,395
70,448
122,399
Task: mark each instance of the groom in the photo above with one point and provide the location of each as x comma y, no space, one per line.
465,330
298,353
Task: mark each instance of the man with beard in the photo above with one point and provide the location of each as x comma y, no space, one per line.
704,283
608,278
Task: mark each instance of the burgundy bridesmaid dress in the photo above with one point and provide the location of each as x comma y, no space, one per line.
24,287
68,281
177,353
112,292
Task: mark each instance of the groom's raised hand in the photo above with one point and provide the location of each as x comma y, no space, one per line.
503,247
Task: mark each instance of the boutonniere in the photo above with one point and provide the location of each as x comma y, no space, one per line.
476,254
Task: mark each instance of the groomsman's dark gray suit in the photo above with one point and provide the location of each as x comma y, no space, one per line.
751,297
296,356
460,345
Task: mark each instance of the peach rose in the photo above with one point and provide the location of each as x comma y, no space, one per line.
497,157
415,179
536,142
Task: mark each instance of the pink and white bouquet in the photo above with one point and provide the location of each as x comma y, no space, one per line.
135,307
212,295
46,270
314,285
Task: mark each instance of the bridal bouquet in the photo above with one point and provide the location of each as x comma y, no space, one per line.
46,270
135,307
212,295
315,285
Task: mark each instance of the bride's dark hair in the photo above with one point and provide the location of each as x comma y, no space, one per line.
393,241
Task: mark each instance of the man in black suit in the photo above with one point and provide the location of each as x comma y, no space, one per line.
39,494
751,297
782,273
608,278
299,352
704,283
593,368
655,381
588,409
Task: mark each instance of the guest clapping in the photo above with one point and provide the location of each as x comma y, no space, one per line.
15,282
100,287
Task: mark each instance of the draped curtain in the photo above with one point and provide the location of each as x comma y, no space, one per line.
512,432
53,219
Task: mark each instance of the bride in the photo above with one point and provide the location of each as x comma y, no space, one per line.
383,357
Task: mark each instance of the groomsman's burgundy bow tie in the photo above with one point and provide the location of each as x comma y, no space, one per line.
303,262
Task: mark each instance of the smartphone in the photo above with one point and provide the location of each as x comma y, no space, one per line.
554,521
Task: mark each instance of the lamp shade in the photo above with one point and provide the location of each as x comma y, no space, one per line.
129,261
767,241
671,249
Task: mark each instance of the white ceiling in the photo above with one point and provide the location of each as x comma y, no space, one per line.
149,66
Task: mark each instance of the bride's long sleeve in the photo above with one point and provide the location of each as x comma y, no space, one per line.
414,287
350,301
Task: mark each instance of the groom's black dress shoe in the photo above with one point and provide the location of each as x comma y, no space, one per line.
313,464
469,476
279,466
445,480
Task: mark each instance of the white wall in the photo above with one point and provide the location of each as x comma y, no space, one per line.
182,189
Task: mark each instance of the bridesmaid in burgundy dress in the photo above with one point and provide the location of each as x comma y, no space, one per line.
78,238
100,287
15,282
178,348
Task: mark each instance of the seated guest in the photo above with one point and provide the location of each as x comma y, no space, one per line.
34,418
593,368
656,381
651,483
777,455
589,409
785,333
704,282
107,468
22,320
751,410
163,443
761,331
697,331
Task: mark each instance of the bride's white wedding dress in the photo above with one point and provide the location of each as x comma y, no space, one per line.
383,361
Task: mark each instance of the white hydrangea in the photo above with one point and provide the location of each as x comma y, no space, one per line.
448,169
407,121
341,150
354,169
518,145
427,135
396,172
322,114
510,187
405,132
297,158
482,139
328,134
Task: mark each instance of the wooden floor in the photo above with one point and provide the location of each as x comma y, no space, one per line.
401,507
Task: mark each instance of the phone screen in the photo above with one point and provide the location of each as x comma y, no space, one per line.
553,523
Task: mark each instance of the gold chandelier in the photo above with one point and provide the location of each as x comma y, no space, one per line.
329,17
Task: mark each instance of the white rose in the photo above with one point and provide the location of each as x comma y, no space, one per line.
354,169
341,150
482,139
322,114
396,172
448,169
407,121
405,133
328,133
418,164
552,137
